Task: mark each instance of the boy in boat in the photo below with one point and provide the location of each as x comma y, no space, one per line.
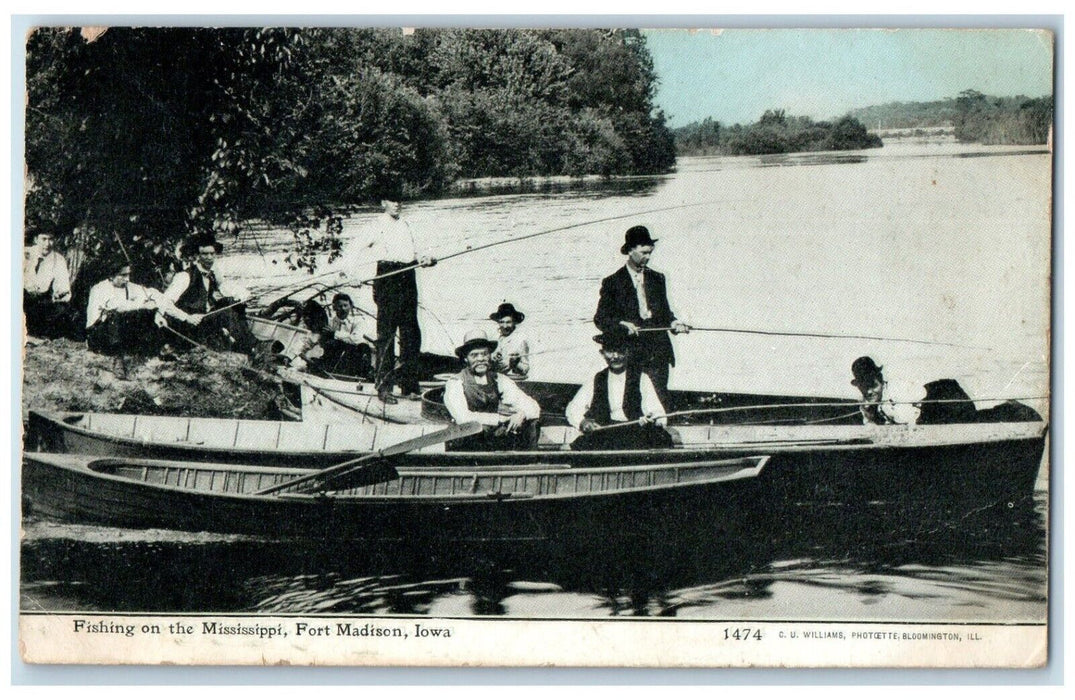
46,289
635,298
621,396
478,393
345,341
126,318
512,354
869,380
196,290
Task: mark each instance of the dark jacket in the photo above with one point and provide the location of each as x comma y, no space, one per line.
619,302
196,299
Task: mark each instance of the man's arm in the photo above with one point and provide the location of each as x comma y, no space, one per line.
651,402
167,307
579,405
456,403
179,285
605,317
61,281
515,397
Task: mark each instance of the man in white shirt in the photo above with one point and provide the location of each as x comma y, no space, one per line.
512,353
623,396
390,242
481,395
346,341
126,318
46,284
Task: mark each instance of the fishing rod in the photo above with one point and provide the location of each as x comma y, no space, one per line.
513,239
826,404
794,334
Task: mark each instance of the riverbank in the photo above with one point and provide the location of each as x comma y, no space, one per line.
63,375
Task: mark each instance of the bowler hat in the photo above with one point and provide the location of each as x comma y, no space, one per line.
865,370
507,309
191,245
636,236
474,339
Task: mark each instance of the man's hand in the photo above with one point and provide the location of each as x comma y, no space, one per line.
588,426
195,319
515,421
427,261
632,329
680,327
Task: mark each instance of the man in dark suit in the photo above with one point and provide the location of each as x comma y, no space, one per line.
635,299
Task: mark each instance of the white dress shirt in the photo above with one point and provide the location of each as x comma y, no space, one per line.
512,399
105,296
351,330
638,277
40,271
514,344
182,280
617,382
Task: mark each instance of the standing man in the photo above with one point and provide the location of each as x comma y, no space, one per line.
634,299
196,291
389,241
46,285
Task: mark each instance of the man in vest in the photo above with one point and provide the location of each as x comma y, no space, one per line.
480,394
46,285
634,299
196,291
619,409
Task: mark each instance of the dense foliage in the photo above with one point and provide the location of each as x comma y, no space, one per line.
775,132
975,117
138,136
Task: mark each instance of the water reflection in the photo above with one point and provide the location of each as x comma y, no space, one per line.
806,562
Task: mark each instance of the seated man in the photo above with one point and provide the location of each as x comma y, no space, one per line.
128,319
871,382
46,285
946,402
346,342
196,290
620,395
479,394
512,354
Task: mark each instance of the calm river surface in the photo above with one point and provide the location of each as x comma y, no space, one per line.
938,242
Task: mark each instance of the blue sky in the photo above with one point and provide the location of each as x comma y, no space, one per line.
735,75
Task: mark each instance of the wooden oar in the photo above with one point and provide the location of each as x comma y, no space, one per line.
371,463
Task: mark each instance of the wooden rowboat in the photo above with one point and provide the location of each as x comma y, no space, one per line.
489,502
957,462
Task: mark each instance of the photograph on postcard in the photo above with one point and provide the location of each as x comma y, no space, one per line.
573,346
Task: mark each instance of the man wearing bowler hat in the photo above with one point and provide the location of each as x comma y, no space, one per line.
479,394
869,380
512,354
634,299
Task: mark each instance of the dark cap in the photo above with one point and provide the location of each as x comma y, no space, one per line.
507,309
865,370
191,245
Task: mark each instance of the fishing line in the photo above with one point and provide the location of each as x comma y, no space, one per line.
796,334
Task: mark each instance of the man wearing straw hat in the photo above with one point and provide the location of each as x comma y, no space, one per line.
619,409
634,299
478,393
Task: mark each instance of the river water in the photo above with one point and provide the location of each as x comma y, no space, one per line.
943,243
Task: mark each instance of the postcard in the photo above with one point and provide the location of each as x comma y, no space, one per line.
616,347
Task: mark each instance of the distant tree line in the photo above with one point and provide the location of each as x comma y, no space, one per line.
138,136
976,117
775,132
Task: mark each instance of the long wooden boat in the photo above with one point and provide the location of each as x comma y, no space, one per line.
957,462
488,502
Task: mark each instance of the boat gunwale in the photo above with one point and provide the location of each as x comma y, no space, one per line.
86,466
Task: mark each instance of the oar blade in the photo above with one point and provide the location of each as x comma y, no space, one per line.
367,474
